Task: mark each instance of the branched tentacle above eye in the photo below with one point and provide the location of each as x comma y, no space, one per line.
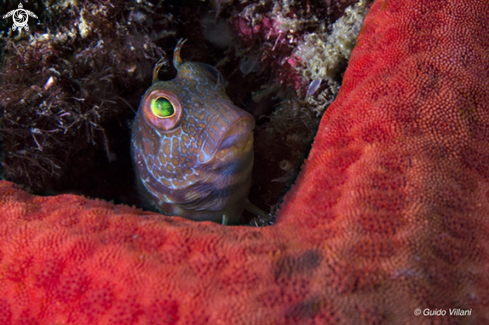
157,68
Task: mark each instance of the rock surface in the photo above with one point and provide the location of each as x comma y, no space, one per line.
389,214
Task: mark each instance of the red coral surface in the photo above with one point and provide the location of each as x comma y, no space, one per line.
389,214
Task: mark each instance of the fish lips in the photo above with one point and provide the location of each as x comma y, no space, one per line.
237,140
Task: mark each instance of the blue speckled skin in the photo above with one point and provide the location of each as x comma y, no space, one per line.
196,164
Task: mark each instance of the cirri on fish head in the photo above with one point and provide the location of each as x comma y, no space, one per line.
191,146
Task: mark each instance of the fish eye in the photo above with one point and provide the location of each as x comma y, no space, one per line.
162,107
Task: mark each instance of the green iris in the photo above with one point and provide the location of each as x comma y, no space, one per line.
162,107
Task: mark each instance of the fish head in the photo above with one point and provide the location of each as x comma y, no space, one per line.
192,147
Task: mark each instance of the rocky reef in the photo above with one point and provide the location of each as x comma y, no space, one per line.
386,224
70,86
66,84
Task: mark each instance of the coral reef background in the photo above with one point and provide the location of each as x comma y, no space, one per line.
70,88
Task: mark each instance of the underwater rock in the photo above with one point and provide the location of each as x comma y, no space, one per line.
70,91
62,84
388,215
305,45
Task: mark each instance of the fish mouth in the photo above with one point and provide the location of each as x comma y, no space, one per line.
225,136
239,137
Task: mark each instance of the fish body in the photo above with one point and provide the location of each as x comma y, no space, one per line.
192,148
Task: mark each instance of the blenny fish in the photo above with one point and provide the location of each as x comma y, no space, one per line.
192,148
